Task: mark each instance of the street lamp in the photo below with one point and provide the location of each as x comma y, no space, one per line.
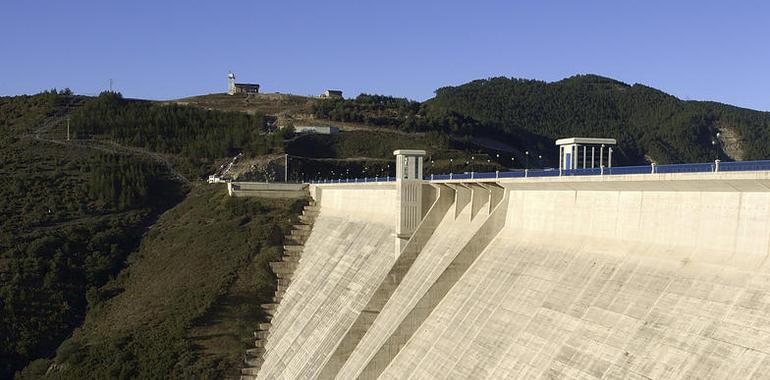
526,166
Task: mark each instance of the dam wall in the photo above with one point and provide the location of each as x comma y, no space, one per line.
344,258
656,276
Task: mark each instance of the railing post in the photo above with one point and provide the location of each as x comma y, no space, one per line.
471,175
559,172
602,169
431,177
653,168
716,165
450,175
497,174
526,173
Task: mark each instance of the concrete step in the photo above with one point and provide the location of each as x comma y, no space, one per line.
262,334
259,343
248,377
253,362
303,227
307,219
277,299
270,309
250,371
283,283
311,208
284,275
283,267
255,352
264,326
293,240
301,233
293,248
291,259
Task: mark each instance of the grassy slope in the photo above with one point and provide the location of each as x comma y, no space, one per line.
189,300
267,104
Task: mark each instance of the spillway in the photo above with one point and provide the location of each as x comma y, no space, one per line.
660,276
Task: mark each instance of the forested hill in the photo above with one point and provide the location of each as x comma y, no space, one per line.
646,121
529,115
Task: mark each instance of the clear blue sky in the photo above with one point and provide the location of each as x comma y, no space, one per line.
170,49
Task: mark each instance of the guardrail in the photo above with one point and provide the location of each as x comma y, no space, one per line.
355,180
704,167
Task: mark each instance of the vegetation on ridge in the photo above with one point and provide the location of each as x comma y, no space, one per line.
530,115
188,302
70,216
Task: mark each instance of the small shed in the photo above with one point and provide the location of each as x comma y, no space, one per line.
337,94
246,88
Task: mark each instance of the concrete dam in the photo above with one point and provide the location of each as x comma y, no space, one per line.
649,276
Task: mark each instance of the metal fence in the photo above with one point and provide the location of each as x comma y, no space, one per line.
705,167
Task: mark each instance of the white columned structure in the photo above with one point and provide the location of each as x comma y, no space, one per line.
569,152
409,184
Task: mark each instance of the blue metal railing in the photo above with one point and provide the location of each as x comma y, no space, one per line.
737,166
704,167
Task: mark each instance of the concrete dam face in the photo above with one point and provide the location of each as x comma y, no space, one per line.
660,276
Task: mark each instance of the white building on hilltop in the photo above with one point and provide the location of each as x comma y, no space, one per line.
240,88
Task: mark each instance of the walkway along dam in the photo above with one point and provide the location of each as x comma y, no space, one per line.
647,276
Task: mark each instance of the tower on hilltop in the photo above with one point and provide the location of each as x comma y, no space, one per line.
230,83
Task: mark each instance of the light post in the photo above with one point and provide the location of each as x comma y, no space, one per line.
526,166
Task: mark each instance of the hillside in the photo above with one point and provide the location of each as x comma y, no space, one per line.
264,104
189,300
70,216
528,115
646,122
73,210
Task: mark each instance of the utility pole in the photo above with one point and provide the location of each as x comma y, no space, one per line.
286,169
68,128
110,84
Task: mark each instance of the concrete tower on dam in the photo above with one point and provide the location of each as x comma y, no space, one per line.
647,276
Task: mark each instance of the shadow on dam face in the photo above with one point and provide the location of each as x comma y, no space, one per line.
648,276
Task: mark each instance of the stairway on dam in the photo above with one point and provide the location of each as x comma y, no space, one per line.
659,276
284,271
